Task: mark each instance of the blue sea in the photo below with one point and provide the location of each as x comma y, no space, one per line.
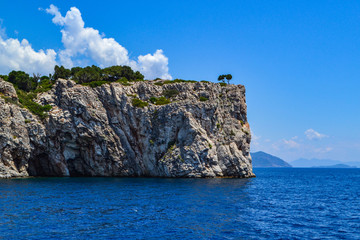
277,204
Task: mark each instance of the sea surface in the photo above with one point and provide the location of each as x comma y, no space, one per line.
277,204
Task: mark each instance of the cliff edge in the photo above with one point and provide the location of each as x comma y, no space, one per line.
116,130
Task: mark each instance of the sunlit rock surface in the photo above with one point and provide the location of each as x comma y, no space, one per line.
98,132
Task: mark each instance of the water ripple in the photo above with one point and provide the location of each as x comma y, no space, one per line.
278,204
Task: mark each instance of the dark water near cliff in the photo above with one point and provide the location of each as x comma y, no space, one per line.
278,204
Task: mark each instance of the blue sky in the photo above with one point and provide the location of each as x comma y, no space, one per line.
299,60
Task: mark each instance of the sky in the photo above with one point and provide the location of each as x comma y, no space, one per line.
299,60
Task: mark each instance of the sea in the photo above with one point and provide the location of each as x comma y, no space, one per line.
287,203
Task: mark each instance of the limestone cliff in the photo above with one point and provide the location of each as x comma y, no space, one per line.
98,132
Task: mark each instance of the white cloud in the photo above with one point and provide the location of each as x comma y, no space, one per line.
16,55
82,46
152,65
311,134
291,143
80,41
285,144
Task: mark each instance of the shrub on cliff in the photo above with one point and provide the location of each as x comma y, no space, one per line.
159,101
138,103
27,100
44,85
169,93
203,99
162,101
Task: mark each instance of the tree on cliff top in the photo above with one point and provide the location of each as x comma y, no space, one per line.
22,80
222,78
61,72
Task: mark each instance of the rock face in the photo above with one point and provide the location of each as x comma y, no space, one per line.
98,132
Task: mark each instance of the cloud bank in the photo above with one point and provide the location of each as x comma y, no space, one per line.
81,46
16,55
19,55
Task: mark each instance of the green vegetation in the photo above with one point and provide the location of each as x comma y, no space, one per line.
210,146
138,103
4,77
123,81
27,121
178,81
222,78
117,72
232,133
151,142
27,101
9,100
94,76
44,85
222,84
169,93
218,125
162,101
95,84
204,81
87,74
61,72
22,81
28,87
153,100
242,122
203,99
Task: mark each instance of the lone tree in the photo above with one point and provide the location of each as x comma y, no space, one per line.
222,78
228,78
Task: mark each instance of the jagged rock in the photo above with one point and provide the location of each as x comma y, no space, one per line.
98,132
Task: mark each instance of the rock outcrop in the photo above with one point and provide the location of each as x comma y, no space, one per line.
98,132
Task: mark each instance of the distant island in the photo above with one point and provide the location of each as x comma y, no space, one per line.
323,163
336,166
265,160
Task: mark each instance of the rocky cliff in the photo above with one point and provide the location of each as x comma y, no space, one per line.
99,132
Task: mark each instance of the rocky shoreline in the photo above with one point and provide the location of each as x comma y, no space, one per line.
118,131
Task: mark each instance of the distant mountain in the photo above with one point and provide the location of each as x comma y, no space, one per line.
336,166
314,162
264,160
303,162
